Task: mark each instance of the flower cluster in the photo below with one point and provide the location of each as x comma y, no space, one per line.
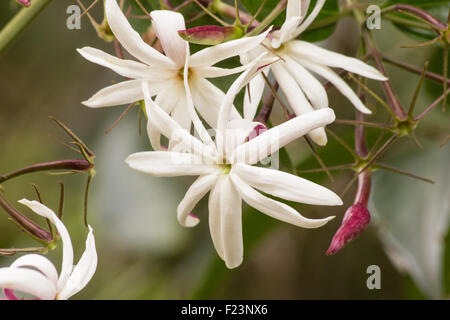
177,95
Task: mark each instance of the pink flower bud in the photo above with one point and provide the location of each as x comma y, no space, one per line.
355,221
25,3
257,130
211,35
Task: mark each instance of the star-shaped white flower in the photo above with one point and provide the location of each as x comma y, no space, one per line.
299,58
164,73
226,169
36,275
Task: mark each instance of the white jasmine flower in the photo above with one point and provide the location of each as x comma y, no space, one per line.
36,275
164,73
299,58
226,170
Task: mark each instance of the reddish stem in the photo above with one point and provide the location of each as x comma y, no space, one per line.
26,223
75,164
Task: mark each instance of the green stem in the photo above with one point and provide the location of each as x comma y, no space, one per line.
19,22
269,18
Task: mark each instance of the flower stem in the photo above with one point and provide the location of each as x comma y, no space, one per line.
29,226
75,164
19,22
269,18
428,74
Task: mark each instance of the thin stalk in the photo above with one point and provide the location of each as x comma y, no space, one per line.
416,93
343,143
430,75
20,21
269,18
403,172
76,164
362,123
340,167
318,158
431,106
29,226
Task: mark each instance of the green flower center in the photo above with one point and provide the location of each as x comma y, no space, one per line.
225,168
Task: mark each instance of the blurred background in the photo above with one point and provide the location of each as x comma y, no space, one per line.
145,254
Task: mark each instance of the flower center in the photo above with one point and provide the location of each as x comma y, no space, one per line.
225,168
181,73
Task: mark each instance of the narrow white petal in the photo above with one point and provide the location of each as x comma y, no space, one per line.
166,25
305,7
131,40
83,271
29,281
215,72
127,68
231,224
207,99
117,94
172,130
306,50
236,134
194,194
40,263
272,208
286,31
181,115
297,99
211,55
198,124
312,87
214,218
167,98
226,107
253,95
277,137
294,9
337,81
67,261
307,22
169,164
286,186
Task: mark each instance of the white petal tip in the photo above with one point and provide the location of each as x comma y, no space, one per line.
233,264
191,221
319,136
24,201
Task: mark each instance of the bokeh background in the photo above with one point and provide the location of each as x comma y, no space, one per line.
145,254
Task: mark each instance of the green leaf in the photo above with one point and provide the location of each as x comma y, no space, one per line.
140,25
320,29
412,228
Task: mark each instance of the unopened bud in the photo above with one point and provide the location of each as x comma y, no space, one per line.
355,221
25,3
211,35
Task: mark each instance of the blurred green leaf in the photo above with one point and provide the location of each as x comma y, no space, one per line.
329,12
414,222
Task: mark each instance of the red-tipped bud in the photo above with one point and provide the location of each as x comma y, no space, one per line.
211,35
257,130
355,221
25,3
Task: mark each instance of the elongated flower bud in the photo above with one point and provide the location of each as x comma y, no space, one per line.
211,35
25,3
356,218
